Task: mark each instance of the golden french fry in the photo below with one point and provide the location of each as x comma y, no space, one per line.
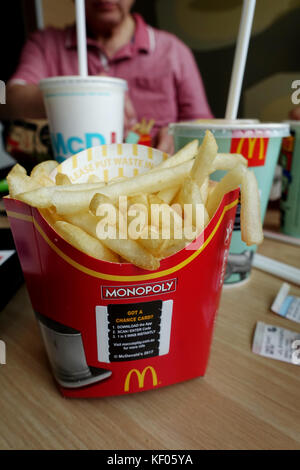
138,199
139,214
74,198
84,242
42,197
17,169
190,199
143,125
133,252
50,215
227,161
43,180
70,202
44,168
94,179
251,227
19,182
150,182
125,247
204,189
149,126
117,179
229,182
204,160
41,172
84,220
211,186
185,154
138,211
61,179
151,239
165,218
168,195
105,209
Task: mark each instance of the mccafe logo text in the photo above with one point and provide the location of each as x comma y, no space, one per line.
140,290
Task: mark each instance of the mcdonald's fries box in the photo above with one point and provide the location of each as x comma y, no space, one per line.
114,328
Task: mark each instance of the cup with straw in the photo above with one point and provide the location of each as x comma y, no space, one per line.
258,142
83,111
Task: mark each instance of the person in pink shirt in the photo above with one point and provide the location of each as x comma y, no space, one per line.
163,79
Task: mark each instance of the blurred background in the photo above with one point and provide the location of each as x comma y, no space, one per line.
209,28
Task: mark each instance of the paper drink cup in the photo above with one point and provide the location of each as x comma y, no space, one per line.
83,112
290,197
258,142
110,328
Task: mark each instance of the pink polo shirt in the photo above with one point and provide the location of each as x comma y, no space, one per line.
163,79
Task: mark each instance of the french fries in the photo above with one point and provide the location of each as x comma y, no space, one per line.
61,179
251,227
229,182
188,152
84,242
204,161
145,218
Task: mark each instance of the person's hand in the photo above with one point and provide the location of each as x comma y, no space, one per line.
294,114
164,141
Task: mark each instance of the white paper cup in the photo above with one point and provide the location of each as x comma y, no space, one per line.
83,112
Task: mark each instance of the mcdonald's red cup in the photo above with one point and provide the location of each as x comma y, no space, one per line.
114,328
260,143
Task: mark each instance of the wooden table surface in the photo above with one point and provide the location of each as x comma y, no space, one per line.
244,402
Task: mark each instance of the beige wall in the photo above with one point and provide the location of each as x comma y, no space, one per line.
58,13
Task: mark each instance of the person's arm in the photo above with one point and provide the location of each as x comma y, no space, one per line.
23,97
23,101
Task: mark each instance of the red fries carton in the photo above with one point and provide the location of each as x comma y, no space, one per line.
113,329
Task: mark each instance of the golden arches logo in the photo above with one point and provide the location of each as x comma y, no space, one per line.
252,147
140,377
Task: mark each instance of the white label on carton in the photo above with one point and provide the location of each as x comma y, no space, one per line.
277,343
4,255
127,332
285,305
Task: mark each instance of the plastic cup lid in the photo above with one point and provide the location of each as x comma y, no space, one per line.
77,80
293,124
228,129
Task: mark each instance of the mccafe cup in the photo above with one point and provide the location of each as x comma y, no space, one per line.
114,329
290,197
83,112
258,142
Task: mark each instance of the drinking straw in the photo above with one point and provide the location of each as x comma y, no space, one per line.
240,59
282,270
81,38
39,14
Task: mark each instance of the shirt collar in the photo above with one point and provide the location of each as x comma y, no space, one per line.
141,40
